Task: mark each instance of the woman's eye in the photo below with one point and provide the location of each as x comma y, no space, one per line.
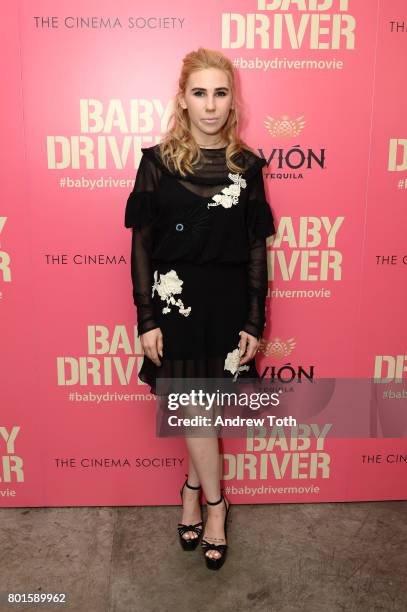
199,93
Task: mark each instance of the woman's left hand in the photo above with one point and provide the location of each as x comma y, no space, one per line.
248,345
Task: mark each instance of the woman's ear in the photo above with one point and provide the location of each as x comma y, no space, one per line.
181,101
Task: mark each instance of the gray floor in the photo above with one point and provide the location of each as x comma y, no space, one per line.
282,558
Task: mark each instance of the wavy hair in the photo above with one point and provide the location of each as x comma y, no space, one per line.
178,148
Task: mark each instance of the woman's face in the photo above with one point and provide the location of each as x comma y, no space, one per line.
208,98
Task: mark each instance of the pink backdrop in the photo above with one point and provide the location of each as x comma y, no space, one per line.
321,80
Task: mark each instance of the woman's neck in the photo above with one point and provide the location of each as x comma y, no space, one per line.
216,143
212,145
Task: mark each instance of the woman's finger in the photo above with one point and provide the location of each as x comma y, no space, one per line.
160,345
152,343
150,350
153,355
242,344
252,344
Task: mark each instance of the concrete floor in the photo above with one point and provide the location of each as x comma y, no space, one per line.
282,558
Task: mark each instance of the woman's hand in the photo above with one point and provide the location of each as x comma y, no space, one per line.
248,345
152,344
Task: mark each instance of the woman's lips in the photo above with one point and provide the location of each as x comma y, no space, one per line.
210,120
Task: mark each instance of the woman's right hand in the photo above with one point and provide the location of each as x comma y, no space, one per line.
152,345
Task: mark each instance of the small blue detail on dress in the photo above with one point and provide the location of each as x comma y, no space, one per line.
179,227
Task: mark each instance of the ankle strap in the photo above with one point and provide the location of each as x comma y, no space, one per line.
214,503
190,486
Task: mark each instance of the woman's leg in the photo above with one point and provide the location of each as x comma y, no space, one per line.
191,510
205,458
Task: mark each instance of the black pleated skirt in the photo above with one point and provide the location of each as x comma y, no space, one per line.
200,308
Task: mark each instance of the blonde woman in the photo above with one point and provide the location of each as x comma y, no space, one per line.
200,221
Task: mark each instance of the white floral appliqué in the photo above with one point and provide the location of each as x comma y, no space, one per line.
230,194
232,363
169,284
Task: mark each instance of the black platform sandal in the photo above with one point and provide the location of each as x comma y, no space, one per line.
216,563
190,543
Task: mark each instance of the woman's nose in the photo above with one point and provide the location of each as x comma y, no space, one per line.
210,103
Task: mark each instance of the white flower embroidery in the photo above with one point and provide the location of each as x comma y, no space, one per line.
169,284
232,363
230,194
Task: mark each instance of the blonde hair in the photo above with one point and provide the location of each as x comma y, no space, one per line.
178,148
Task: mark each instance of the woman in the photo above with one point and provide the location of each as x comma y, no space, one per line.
200,221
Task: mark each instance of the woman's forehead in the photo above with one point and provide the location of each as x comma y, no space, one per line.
208,78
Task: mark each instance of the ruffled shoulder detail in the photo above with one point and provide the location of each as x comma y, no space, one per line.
153,154
253,164
141,209
141,206
260,219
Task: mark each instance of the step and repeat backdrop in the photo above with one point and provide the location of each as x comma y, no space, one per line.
85,86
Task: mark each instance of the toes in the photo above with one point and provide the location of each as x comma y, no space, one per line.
213,554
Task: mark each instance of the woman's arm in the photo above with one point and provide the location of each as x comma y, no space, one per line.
148,329
260,225
141,213
257,287
142,277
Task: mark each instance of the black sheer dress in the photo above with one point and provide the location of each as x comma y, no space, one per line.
199,262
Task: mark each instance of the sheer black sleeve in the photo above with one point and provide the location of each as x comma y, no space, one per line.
260,225
140,215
